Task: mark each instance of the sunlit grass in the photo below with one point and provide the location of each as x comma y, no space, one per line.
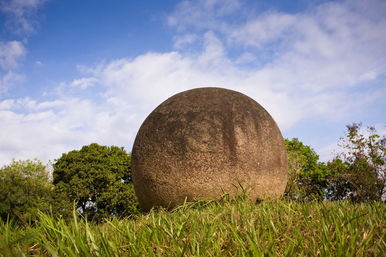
229,227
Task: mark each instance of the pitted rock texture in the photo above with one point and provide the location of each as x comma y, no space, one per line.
204,142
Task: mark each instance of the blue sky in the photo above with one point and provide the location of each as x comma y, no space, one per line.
77,72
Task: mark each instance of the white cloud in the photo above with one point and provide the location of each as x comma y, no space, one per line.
333,45
263,29
8,80
185,39
10,54
151,78
46,129
133,88
21,14
245,57
83,83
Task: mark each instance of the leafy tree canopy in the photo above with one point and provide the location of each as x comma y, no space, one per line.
98,179
307,176
25,188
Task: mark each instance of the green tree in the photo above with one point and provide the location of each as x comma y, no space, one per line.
358,173
98,179
25,189
307,178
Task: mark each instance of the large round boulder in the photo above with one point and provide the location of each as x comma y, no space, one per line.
203,143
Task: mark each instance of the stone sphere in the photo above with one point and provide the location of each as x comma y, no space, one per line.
206,142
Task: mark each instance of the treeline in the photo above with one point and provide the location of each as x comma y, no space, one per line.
96,180
357,173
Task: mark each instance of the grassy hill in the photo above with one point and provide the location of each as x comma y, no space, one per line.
228,227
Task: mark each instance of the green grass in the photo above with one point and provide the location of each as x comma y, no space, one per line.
222,228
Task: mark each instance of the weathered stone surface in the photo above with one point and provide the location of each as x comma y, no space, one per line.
202,143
